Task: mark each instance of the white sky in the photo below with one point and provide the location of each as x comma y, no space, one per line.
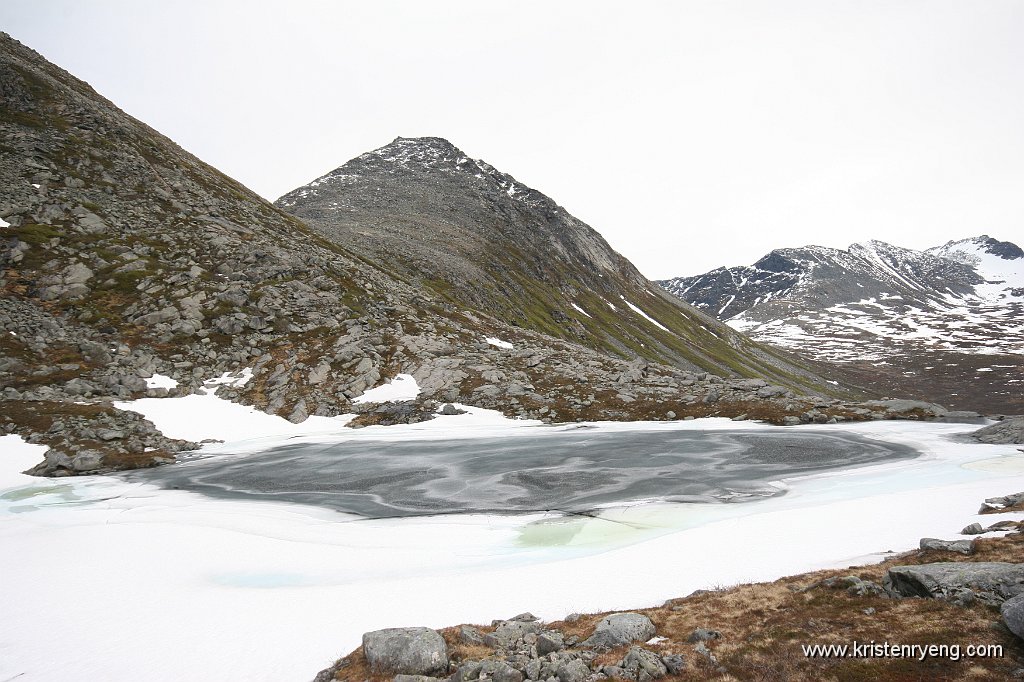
690,134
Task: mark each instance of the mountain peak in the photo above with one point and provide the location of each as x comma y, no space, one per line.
999,256
400,157
422,150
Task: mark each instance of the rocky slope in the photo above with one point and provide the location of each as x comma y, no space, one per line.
943,323
122,256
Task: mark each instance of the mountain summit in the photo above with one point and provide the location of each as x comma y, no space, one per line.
423,206
478,238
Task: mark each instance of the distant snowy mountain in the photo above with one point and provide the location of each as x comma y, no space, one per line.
881,305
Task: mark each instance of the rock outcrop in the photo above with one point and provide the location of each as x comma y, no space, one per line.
1007,430
991,582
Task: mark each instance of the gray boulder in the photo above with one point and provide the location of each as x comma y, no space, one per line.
621,628
1012,611
87,460
510,633
998,503
902,406
640,660
973,529
703,635
549,641
674,663
506,673
573,671
1009,430
989,581
469,670
704,651
470,635
856,586
959,546
408,651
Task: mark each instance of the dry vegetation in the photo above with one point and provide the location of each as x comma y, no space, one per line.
764,624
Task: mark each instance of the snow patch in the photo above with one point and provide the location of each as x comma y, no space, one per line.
495,341
161,381
203,416
230,379
402,387
643,314
579,309
16,456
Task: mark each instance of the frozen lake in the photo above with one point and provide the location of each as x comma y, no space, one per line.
564,468
114,578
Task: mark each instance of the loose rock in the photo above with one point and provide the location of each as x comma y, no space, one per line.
621,628
409,651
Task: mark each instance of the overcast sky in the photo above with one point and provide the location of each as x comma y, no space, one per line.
690,134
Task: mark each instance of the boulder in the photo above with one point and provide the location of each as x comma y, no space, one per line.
894,407
1012,611
469,670
506,673
703,635
674,663
772,392
1009,430
999,503
573,671
407,651
640,660
621,628
991,582
509,633
549,641
87,460
959,546
470,635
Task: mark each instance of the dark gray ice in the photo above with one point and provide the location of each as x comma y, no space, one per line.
573,471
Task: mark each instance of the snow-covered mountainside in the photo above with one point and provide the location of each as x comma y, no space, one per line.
955,309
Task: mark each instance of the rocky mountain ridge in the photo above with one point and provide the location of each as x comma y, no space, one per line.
957,307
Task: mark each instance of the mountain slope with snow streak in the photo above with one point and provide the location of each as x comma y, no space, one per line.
954,311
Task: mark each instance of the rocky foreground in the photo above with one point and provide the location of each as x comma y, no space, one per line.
953,594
